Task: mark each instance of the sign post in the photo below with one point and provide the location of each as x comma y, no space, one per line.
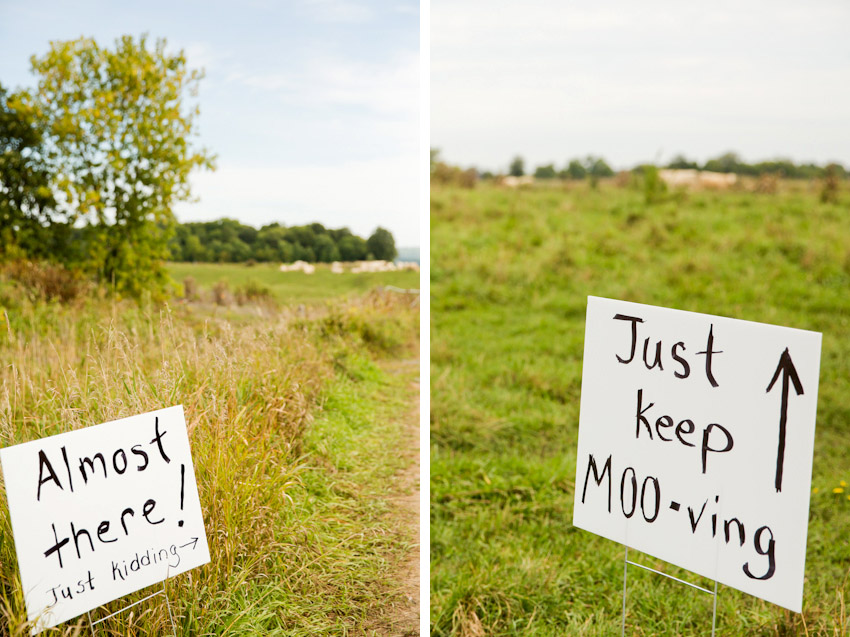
696,436
101,512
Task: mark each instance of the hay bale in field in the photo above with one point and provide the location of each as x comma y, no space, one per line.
697,179
373,266
511,181
298,266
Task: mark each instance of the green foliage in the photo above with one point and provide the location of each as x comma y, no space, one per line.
727,163
545,172
291,287
381,245
517,167
574,170
653,186
680,162
829,189
352,248
27,205
598,167
230,241
731,162
510,277
118,128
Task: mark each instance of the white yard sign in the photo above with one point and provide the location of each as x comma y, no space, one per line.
695,442
100,512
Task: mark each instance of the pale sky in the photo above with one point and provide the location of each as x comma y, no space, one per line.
312,106
639,81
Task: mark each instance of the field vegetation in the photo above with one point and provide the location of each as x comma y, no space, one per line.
284,287
295,421
511,271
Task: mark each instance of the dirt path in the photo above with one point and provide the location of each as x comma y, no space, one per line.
403,619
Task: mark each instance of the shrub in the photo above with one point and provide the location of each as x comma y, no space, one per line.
653,186
829,188
190,289
46,281
253,292
221,293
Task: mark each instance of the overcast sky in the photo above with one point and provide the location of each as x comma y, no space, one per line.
312,106
639,81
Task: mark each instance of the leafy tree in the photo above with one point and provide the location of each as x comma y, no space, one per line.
727,163
339,234
575,170
27,206
353,248
302,236
517,167
382,245
680,162
545,172
597,167
326,250
118,129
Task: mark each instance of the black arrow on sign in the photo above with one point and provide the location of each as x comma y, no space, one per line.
194,543
788,371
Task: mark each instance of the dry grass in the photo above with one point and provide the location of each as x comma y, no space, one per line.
250,384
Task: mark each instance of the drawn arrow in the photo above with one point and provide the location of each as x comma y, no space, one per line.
788,371
194,543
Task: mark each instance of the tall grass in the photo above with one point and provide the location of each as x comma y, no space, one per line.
269,397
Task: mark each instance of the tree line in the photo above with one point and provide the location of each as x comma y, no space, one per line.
593,168
229,241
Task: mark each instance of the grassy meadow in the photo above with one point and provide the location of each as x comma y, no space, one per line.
511,271
290,287
295,419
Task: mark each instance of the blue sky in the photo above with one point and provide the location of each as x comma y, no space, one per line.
639,81
312,106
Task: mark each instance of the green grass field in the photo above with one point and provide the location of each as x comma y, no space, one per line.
291,287
296,424
510,275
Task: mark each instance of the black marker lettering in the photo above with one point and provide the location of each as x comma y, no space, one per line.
769,551
639,417
606,469
657,355
115,461
158,439
147,508
634,321
137,449
623,492
43,463
706,435
686,369
709,352
90,463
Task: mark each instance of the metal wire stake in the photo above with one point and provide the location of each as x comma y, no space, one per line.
714,612
162,592
625,574
626,563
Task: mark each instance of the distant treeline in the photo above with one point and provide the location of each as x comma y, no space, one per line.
229,241
592,167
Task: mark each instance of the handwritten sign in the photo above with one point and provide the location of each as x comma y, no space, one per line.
695,442
100,512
